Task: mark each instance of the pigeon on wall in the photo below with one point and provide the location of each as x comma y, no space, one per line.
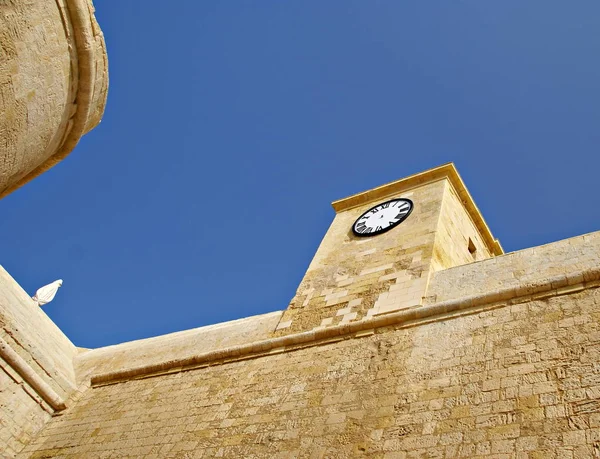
46,293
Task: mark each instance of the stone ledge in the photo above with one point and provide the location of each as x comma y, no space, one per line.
559,285
30,377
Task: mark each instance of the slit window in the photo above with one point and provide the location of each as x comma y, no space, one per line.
472,248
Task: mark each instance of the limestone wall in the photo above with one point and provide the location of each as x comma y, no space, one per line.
454,232
511,371
36,375
53,84
22,413
522,380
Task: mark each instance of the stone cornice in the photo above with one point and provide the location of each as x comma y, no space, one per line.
18,364
445,171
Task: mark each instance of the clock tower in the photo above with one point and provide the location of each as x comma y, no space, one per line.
382,247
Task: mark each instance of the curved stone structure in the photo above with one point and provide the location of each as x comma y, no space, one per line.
53,84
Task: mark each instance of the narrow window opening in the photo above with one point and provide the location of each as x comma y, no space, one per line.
472,248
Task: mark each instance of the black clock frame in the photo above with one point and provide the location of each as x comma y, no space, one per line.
375,233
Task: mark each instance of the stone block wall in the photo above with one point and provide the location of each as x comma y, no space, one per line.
36,369
458,241
520,379
523,270
22,412
173,346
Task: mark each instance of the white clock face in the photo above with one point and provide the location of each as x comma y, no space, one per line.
383,217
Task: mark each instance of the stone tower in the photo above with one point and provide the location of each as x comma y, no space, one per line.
53,84
352,278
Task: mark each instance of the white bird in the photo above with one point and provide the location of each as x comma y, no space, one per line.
46,293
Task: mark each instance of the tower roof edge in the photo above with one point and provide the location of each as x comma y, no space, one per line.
446,171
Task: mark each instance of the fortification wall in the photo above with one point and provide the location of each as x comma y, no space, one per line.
36,375
22,412
520,380
485,371
53,84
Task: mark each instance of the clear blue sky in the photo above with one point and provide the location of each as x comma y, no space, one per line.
231,126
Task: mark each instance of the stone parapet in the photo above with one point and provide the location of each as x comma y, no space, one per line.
163,351
528,268
516,380
564,274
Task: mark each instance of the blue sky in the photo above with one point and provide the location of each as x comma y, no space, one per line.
231,126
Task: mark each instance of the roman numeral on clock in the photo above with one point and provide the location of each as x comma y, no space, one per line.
403,210
361,227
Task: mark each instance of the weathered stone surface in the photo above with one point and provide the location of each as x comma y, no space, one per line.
38,376
517,270
53,84
180,345
511,381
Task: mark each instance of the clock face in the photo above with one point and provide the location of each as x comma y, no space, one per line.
383,217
